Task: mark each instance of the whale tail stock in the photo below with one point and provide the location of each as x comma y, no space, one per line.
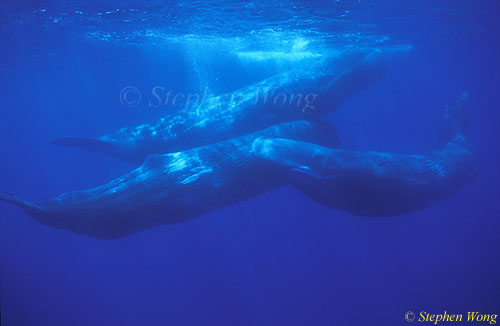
29,207
101,146
86,143
457,122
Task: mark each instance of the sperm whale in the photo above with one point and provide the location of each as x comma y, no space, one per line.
373,183
281,98
170,188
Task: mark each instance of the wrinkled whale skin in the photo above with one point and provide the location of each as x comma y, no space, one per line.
173,187
333,79
373,183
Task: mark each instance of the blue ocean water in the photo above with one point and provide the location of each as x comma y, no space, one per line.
279,258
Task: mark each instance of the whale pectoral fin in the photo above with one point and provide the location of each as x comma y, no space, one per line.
314,185
86,143
310,177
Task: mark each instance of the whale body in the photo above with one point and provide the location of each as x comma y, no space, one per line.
304,93
174,187
373,183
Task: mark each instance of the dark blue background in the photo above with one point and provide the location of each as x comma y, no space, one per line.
279,259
